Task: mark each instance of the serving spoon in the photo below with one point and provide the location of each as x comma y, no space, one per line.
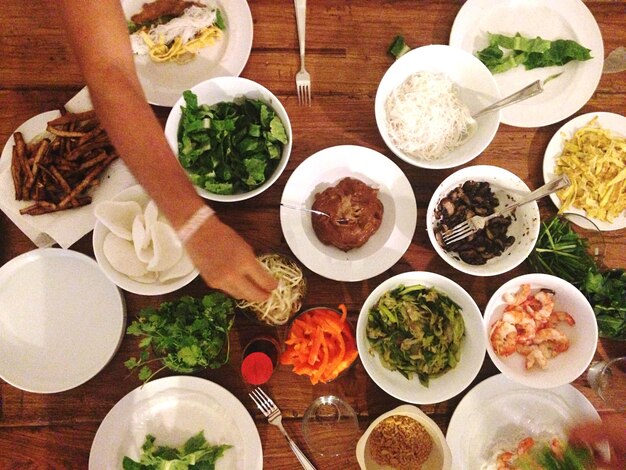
339,220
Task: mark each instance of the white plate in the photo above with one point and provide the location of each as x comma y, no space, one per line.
326,168
477,89
134,193
498,412
61,319
610,121
550,19
63,227
163,83
507,187
173,409
583,336
452,382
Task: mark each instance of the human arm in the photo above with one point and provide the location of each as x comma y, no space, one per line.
612,430
98,34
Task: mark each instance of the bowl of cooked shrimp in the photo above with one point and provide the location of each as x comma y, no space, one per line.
541,331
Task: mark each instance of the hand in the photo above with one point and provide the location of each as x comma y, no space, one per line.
611,430
226,262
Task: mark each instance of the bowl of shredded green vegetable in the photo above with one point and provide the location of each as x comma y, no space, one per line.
419,337
232,136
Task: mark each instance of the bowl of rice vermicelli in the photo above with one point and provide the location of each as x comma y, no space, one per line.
424,106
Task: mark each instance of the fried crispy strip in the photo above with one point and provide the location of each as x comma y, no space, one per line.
94,144
16,173
92,134
72,117
58,177
44,207
64,133
93,160
22,150
40,154
86,181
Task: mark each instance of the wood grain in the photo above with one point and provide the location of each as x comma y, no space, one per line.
346,55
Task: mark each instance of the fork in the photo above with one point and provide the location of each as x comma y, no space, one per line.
478,222
275,417
303,78
339,220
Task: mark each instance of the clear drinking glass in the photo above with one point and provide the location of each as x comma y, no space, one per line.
330,426
608,379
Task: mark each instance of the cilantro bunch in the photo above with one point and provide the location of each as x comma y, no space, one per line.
561,252
229,147
195,453
185,335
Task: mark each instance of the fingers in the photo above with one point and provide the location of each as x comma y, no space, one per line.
228,263
594,434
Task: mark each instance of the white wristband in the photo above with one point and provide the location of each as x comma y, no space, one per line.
193,224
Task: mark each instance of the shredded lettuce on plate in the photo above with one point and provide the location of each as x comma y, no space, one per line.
507,52
416,330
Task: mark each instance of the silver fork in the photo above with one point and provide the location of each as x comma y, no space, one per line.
478,222
275,417
303,78
339,220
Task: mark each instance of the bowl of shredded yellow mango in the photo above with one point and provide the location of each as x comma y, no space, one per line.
591,150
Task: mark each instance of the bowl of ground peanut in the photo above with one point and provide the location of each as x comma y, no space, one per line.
402,439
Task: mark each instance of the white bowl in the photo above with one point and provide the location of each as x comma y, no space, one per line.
583,336
100,231
440,457
525,226
477,89
447,385
221,89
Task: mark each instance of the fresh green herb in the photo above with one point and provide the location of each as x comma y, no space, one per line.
398,47
196,453
562,252
606,292
229,147
219,20
185,335
416,330
531,53
573,458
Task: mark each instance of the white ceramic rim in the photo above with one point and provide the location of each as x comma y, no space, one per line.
477,89
616,123
452,382
528,235
220,89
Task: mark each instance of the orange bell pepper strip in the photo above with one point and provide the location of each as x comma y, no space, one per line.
315,346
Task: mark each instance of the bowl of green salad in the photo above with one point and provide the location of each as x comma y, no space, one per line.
232,136
420,337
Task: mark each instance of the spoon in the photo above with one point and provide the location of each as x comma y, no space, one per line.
528,91
339,220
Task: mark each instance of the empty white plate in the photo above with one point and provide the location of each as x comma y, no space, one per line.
61,320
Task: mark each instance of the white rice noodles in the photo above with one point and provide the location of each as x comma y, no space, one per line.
426,118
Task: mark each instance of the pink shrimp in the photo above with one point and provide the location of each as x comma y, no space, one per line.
503,337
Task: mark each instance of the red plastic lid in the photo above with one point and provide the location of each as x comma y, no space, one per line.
257,368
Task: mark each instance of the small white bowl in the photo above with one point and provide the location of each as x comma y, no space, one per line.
221,89
583,336
477,89
453,381
440,457
507,187
100,231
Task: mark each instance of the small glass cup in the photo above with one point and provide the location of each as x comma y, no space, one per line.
330,426
608,380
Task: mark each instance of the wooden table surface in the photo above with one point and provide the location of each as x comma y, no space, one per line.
346,56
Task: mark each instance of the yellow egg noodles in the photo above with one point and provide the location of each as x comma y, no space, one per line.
180,52
595,161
